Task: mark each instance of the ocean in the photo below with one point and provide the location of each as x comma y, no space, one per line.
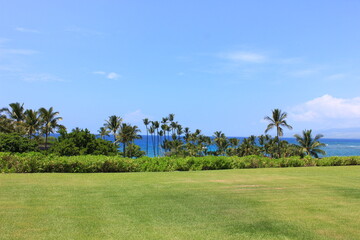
334,147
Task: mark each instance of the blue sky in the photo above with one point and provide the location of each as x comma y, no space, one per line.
217,65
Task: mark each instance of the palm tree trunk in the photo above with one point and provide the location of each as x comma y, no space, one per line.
46,138
147,141
278,139
153,142
124,149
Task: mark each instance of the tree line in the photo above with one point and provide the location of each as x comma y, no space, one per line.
167,137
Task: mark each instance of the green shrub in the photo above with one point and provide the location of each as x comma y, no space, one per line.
39,162
13,142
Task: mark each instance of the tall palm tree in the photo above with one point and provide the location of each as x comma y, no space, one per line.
32,121
278,120
156,126
103,132
152,133
146,123
113,124
310,146
50,121
164,128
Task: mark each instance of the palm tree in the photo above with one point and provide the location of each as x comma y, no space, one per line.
32,121
146,123
221,142
16,111
113,124
156,126
310,146
278,121
152,132
127,134
103,132
49,121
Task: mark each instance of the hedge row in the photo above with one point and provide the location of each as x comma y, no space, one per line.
37,162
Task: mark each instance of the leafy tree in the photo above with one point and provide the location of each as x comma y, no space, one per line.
134,151
309,145
82,142
113,124
278,121
6,125
50,122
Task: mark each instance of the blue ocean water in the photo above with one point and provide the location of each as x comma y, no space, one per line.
334,147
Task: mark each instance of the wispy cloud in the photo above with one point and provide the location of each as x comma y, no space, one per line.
26,30
8,51
99,72
329,111
110,75
83,31
304,72
337,76
249,57
41,77
4,40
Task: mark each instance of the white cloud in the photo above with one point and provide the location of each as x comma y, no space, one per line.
26,30
244,57
110,75
113,75
329,112
135,117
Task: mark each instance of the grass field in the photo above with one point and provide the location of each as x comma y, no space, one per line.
289,203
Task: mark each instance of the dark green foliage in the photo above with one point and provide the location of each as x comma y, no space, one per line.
13,142
82,142
134,151
37,162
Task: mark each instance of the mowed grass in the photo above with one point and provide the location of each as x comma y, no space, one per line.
283,203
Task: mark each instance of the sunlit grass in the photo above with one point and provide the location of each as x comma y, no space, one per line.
291,203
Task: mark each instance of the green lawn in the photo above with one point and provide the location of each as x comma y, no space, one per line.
288,203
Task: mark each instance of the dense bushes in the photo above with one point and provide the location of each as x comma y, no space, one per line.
13,142
37,162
